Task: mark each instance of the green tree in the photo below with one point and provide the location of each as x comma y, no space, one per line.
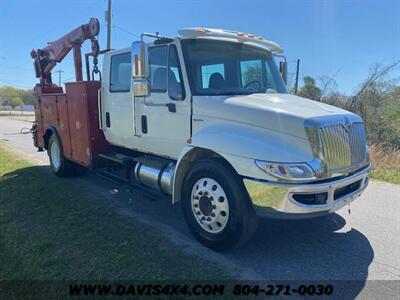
310,90
253,73
14,97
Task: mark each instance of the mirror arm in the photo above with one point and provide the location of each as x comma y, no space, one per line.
282,67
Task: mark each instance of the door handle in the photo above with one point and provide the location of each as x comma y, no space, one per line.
171,106
108,121
144,124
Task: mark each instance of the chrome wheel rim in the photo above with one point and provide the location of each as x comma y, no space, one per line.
210,205
55,155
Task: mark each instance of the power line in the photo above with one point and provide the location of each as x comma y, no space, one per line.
14,67
69,78
16,85
60,21
126,31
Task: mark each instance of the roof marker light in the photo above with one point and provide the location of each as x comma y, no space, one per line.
256,40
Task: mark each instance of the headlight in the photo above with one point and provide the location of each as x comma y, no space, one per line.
287,172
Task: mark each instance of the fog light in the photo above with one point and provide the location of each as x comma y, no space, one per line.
311,199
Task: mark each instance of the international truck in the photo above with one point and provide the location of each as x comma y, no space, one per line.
206,119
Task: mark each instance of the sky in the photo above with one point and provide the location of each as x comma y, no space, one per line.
336,38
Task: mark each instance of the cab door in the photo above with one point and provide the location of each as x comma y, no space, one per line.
165,113
118,109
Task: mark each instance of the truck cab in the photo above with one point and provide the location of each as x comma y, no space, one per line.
163,117
206,117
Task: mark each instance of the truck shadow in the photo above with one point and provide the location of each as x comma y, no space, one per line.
322,250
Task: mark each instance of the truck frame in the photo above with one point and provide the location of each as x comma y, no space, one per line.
205,118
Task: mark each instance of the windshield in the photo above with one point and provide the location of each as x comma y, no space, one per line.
228,68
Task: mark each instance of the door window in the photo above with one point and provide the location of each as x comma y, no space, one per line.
158,69
120,77
175,83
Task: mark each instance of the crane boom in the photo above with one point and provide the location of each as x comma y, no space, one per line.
46,59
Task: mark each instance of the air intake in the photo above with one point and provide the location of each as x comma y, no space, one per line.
343,146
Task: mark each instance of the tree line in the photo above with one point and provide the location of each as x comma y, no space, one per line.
376,100
11,96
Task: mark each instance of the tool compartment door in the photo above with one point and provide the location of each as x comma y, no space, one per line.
63,126
78,123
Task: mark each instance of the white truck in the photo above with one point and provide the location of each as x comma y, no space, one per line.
206,117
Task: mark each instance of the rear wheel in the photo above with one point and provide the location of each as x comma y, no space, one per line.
216,206
59,165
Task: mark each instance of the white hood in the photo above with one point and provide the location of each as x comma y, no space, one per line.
277,112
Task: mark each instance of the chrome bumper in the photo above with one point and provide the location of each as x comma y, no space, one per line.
276,199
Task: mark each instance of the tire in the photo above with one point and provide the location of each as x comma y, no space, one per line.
59,165
209,179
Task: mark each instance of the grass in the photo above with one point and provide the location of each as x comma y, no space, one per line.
386,163
53,229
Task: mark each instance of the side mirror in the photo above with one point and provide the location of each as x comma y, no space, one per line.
140,69
283,70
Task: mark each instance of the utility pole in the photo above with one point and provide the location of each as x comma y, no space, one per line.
59,76
296,84
108,20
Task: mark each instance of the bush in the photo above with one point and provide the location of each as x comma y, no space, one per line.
386,163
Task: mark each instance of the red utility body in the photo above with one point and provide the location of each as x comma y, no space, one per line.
74,117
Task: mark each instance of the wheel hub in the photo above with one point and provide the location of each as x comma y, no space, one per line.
55,155
205,205
210,205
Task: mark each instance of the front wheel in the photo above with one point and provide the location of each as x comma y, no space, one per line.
216,206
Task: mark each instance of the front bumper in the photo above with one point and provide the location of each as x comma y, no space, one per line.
278,200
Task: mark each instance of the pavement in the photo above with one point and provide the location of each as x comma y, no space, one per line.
359,250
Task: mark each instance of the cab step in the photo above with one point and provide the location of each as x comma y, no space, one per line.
116,157
152,194
152,161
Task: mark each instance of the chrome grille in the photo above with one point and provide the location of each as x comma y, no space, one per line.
343,146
